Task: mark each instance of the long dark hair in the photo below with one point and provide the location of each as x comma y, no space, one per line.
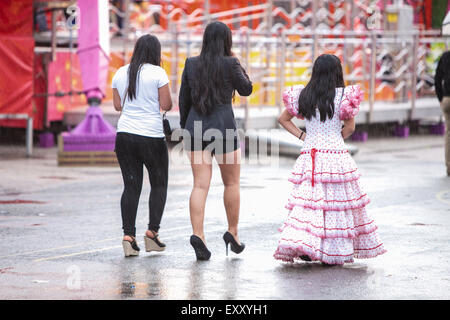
320,91
146,50
217,42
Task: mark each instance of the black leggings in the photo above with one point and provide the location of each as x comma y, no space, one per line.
133,152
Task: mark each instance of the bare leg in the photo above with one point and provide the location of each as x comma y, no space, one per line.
230,169
201,164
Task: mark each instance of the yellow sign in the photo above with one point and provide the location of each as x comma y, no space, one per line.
392,17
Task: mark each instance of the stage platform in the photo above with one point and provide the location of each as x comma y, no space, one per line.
265,117
262,119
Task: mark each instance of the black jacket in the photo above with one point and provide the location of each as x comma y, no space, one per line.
222,116
442,77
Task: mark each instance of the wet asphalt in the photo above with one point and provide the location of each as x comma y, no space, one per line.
60,232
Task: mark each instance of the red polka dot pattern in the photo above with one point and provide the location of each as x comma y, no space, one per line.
326,219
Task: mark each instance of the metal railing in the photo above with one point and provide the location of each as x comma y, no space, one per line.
278,41
289,35
29,132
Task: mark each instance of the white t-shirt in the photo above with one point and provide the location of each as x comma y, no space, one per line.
141,116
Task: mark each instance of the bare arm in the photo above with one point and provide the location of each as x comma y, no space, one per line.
285,120
349,128
116,100
165,99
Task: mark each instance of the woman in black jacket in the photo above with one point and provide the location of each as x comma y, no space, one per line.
442,85
206,115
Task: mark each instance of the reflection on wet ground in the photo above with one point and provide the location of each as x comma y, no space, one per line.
237,279
197,282
74,223
254,274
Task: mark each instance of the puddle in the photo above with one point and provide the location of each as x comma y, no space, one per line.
20,201
5,270
252,187
12,194
57,178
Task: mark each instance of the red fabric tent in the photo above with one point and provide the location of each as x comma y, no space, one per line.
16,59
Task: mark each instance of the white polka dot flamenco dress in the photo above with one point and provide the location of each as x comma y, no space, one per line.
327,219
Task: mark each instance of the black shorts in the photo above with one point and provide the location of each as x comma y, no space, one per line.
218,146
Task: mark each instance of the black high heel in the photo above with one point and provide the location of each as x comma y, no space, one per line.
201,251
235,246
305,258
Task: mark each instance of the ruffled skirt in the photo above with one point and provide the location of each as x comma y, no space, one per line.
327,219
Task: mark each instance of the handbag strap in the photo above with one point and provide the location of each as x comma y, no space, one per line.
124,98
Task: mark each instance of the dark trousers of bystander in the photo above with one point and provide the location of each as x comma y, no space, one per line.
133,153
445,105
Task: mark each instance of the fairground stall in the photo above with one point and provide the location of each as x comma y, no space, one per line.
49,75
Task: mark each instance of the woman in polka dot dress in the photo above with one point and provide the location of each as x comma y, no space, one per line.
327,220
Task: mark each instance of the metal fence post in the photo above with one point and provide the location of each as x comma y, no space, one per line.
373,70
314,27
174,57
207,10
53,43
126,30
247,64
414,75
269,16
29,136
364,64
269,23
282,67
278,72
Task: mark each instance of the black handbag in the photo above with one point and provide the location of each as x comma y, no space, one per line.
166,126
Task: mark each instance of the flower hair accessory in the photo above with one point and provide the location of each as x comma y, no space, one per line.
353,96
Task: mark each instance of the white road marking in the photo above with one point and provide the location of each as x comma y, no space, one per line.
116,247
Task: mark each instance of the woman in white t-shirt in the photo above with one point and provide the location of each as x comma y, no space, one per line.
140,91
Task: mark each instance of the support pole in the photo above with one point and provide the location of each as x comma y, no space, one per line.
414,75
126,30
373,65
29,137
269,17
207,9
314,26
282,68
268,47
278,72
53,37
174,56
247,64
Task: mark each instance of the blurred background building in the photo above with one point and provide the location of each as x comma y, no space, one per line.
390,47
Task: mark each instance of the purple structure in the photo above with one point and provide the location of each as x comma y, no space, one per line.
401,131
438,129
94,133
360,136
46,140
